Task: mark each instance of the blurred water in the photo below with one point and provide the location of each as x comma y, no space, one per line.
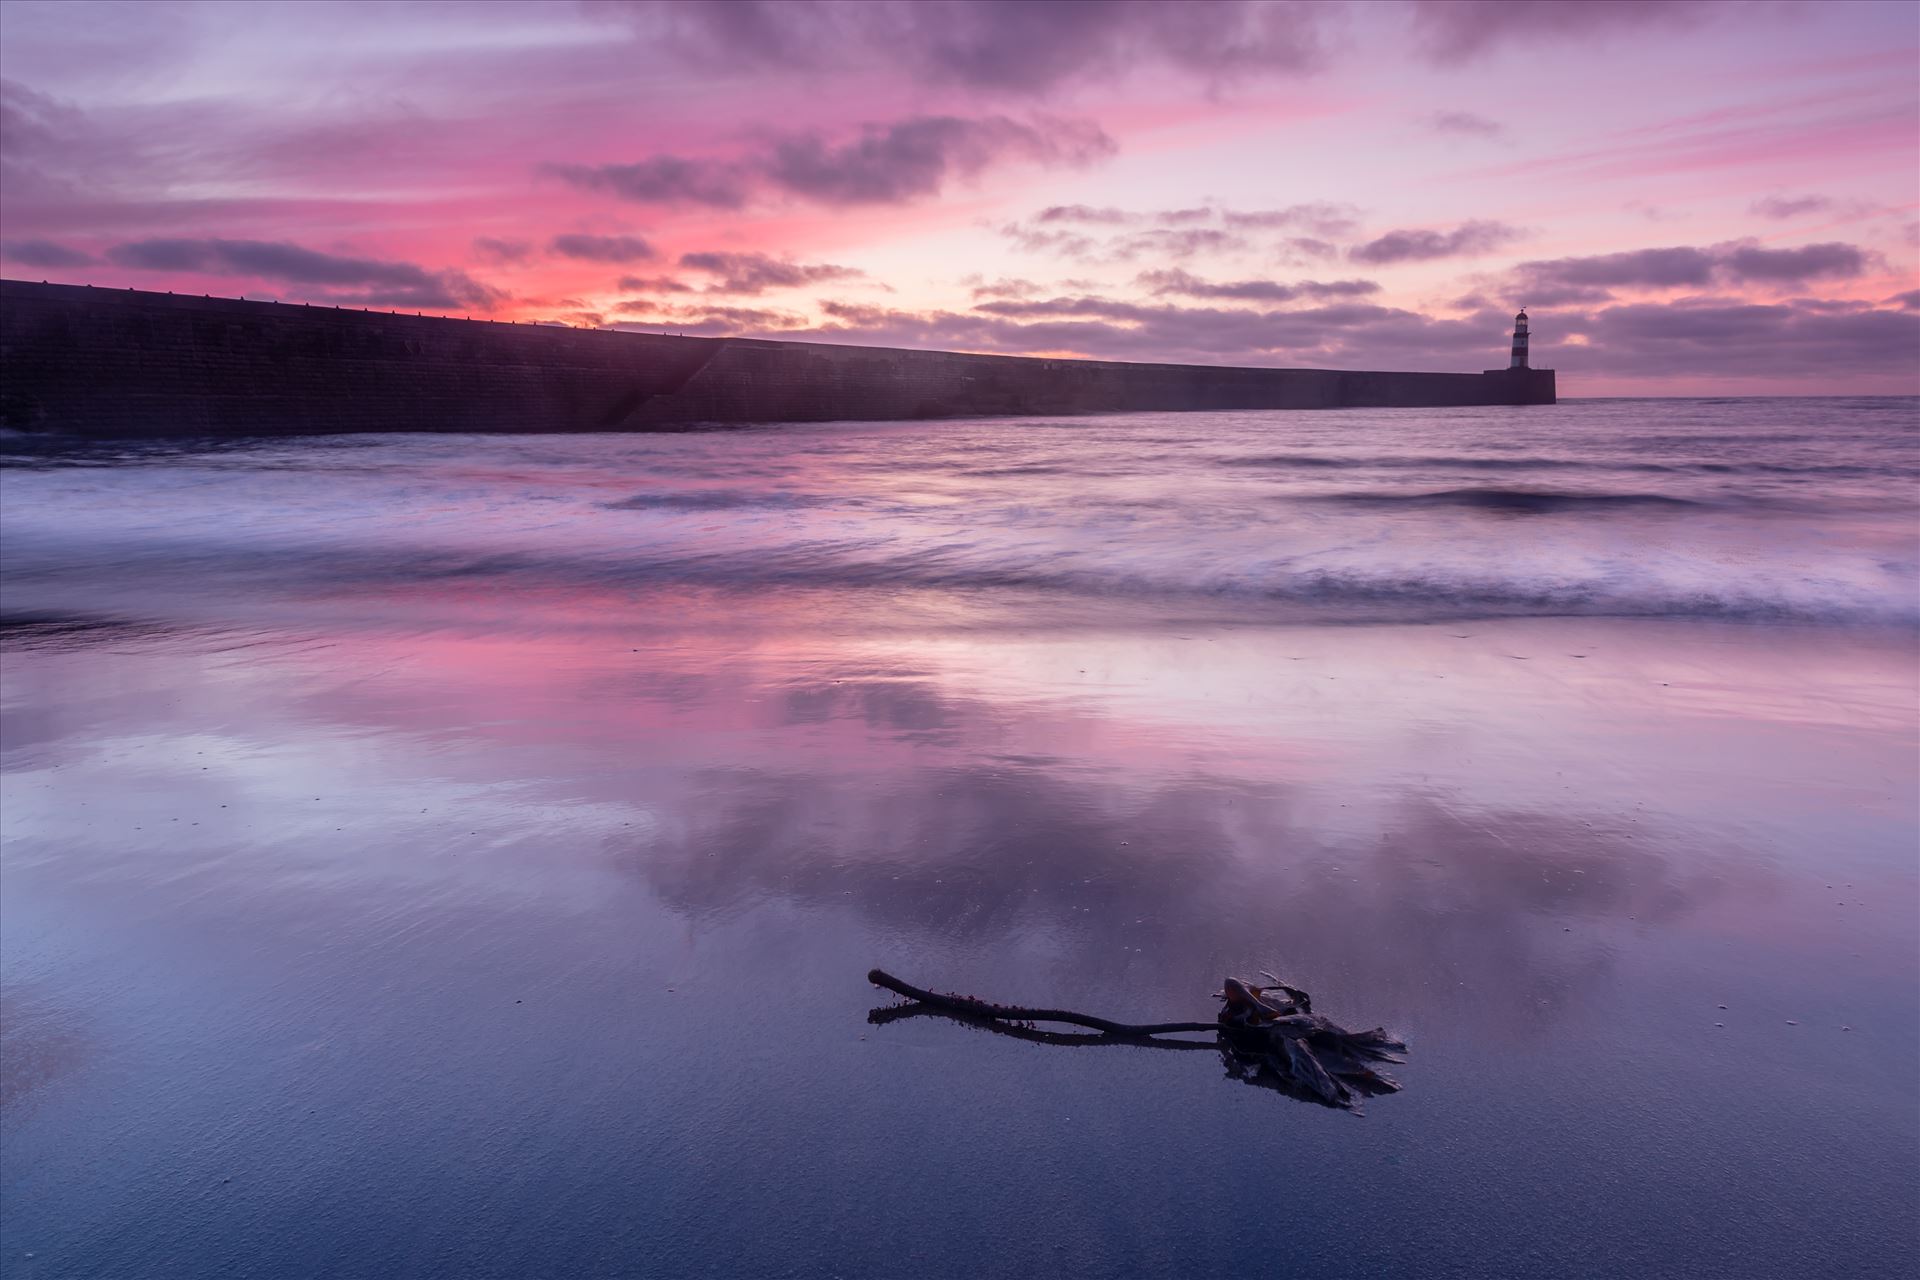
1767,509
462,856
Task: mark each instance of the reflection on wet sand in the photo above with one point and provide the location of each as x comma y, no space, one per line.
1126,878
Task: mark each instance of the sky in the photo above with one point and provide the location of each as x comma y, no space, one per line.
1690,198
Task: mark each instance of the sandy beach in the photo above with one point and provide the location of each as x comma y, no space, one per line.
499,920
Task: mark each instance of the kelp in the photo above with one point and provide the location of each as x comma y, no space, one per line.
1266,1034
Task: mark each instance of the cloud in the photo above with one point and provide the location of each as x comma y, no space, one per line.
1909,300
1728,337
587,248
1167,242
1176,282
38,135
492,250
1303,248
662,180
1084,214
890,163
1005,287
1063,244
1469,239
755,273
378,282
1342,335
707,320
1452,31
1589,279
1650,268
43,253
1751,262
1695,338
1464,124
1782,207
1322,218
996,46
653,284
1184,243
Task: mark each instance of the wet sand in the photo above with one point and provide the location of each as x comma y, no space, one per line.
537,948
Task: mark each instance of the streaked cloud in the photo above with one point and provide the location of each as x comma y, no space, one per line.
43,253
586,248
1463,124
891,163
754,273
370,280
1468,240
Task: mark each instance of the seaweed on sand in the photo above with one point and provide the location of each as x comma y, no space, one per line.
1266,1035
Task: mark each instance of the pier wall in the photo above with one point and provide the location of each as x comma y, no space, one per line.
122,362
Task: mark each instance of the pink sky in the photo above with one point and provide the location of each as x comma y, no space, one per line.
1691,198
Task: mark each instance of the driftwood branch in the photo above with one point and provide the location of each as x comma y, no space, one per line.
1015,1013
892,1013
1266,1035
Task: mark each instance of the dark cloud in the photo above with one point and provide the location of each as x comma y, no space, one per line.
890,164
1176,282
662,180
1729,338
1464,241
653,284
1782,207
1450,31
369,281
1464,123
1008,46
1648,268
1589,279
493,250
588,248
884,164
754,273
1751,262
1910,299
43,253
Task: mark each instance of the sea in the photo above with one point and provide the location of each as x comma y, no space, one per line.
462,855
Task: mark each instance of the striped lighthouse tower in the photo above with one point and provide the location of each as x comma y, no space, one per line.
1519,360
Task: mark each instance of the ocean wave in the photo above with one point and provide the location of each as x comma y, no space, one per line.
1312,461
716,500
1512,501
1378,590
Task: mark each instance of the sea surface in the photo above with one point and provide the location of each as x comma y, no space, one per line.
461,856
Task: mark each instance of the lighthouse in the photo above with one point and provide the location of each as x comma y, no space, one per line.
1519,360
